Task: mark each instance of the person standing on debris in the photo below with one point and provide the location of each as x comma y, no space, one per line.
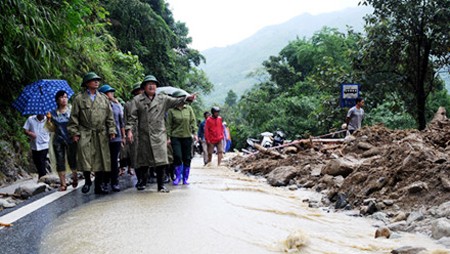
355,116
201,137
91,126
147,113
214,135
181,127
129,151
62,143
39,136
116,143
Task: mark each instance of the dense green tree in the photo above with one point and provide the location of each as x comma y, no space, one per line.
141,31
391,113
407,42
59,40
231,98
54,40
147,28
29,44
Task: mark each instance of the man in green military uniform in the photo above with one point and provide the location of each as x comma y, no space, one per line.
148,112
91,125
181,128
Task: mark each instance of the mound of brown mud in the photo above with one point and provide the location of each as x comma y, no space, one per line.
410,167
375,169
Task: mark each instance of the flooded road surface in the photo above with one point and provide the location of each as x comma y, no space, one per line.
219,212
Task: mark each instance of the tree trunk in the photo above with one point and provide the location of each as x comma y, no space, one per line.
423,55
421,103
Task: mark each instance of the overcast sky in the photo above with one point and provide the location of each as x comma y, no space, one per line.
219,23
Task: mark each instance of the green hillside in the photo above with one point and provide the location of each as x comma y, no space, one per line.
227,68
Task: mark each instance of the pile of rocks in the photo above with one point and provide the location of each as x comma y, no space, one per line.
400,177
13,195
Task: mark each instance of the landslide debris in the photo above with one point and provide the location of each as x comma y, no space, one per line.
401,173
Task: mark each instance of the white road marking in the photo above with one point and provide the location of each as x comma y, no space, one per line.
24,211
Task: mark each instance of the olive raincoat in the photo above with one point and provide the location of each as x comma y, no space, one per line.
152,136
93,121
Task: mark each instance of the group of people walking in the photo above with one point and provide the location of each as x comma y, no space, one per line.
153,132
97,128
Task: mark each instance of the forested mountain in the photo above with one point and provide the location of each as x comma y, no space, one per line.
228,67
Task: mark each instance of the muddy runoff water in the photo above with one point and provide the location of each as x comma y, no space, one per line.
221,211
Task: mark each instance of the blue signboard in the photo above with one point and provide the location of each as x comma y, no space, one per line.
349,93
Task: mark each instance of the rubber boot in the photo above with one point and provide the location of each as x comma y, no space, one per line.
171,171
109,177
186,171
151,178
177,175
140,172
99,185
145,175
137,171
105,188
167,173
160,179
87,182
106,179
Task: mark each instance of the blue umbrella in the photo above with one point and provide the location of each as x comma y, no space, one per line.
39,97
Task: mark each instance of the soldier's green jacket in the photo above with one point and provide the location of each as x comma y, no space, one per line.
181,123
149,116
93,121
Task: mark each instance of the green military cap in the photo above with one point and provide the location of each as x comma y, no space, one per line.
90,76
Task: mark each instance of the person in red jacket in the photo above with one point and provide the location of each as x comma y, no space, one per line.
214,135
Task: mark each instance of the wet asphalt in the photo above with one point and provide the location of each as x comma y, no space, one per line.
25,235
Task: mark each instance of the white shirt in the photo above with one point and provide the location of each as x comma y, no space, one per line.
42,135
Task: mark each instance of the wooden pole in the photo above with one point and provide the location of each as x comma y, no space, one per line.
310,140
